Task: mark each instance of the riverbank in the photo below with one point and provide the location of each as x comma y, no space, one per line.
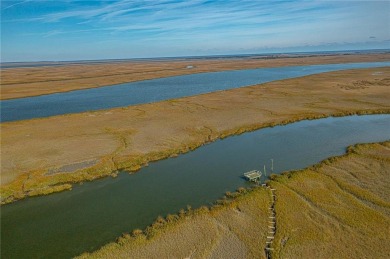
195,179
337,208
46,155
35,81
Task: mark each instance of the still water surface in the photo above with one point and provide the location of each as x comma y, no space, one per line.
69,223
154,90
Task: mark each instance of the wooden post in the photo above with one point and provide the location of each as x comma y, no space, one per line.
265,172
272,165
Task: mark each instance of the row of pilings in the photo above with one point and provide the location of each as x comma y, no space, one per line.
271,223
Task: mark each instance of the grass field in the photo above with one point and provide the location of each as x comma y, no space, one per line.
339,208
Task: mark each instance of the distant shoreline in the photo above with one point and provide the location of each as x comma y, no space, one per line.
298,54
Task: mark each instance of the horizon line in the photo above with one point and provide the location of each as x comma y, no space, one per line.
199,56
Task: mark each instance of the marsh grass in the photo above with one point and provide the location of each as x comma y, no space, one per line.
319,215
335,219
218,223
36,180
22,82
39,183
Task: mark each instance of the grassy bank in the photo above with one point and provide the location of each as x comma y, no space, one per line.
223,231
339,208
41,156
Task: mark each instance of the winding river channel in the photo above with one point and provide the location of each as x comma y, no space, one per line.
154,90
69,223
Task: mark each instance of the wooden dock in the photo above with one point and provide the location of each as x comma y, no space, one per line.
253,176
271,224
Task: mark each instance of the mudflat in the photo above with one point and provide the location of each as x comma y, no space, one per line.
34,81
44,155
339,208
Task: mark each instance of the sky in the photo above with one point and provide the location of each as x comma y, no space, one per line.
37,30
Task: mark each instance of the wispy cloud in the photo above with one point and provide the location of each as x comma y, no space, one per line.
183,15
15,4
170,25
54,33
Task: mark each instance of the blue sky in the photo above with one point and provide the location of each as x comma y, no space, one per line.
34,30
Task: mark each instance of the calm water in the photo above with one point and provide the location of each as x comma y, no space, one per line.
66,224
156,90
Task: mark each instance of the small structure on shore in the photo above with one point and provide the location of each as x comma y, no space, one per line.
253,176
